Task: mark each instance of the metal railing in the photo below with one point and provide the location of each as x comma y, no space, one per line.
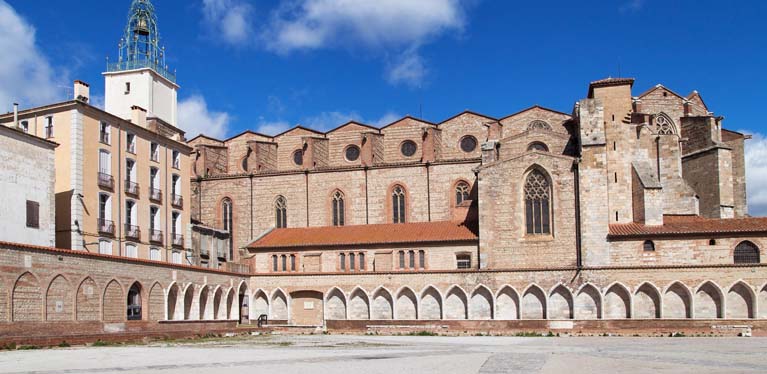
133,65
178,240
104,137
131,188
155,194
132,232
177,200
106,226
155,236
106,181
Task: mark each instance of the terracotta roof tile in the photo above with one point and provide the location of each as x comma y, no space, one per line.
674,225
391,233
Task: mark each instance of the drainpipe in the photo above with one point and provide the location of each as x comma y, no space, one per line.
578,249
120,187
367,211
251,206
479,252
428,192
306,181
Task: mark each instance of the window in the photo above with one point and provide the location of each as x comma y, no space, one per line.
280,212
154,152
105,247
352,153
746,253
33,214
284,262
292,262
175,223
411,257
398,204
362,261
127,88
274,263
664,125
338,208
105,162
176,159
537,207
461,193
154,218
154,184
104,131
468,143
244,164
463,261
537,146
130,145
408,148
421,259
538,125
105,224
24,125
48,127
298,157
154,254
712,242
648,246
130,170
342,261
176,257
130,214
131,250
401,259
226,214
352,263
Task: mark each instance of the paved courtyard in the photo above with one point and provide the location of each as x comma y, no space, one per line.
403,354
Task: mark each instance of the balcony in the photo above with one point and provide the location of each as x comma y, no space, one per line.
238,268
131,148
106,226
222,255
178,240
176,163
155,236
131,188
106,181
177,201
104,138
204,252
155,194
132,232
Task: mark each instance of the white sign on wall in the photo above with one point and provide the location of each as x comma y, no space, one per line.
308,305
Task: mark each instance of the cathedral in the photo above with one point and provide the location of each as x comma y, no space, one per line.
626,212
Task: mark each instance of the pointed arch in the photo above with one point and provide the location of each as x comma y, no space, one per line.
218,297
338,208
762,302
27,299
664,125
407,304
135,302
431,303
87,301
617,302
560,303
708,301
3,301
280,212
533,303
58,300
230,305
399,203
456,303
588,303
647,301
335,304
740,301
156,303
260,303
481,303
383,304
174,304
203,299
507,304
676,301
189,301
537,193
113,302
279,305
359,304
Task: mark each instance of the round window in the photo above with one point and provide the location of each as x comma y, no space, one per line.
352,153
468,143
298,157
408,148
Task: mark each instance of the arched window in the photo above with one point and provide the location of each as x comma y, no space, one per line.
664,125
134,302
537,203
648,246
538,125
281,212
537,146
746,253
462,190
338,208
398,204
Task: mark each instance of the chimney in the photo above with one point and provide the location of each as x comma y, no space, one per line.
82,91
138,116
16,115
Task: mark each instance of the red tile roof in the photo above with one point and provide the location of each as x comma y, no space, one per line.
360,235
691,225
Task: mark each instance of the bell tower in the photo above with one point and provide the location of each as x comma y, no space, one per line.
140,76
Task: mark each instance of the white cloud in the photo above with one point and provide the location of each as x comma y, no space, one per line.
271,127
324,121
26,75
756,174
195,118
229,20
386,119
408,70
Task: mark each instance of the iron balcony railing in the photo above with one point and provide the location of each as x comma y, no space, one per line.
131,188
106,226
132,232
204,252
222,255
177,164
104,137
155,194
131,148
178,200
134,65
155,236
106,180
178,240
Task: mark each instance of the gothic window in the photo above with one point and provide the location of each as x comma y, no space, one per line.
281,212
338,209
408,148
468,143
462,190
648,246
746,253
538,203
352,153
537,146
398,204
539,125
664,125
298,157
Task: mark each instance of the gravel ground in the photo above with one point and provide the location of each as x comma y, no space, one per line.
402,354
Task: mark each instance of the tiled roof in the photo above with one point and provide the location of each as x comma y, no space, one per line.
390,233
691,225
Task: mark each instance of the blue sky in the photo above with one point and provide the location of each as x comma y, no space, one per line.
268,65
